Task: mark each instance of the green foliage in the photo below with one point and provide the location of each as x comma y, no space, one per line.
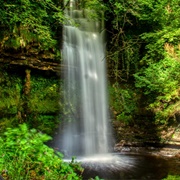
96,178
164,19
145,42
172,177
95,9
160,82
10,99
10,90
44,103
139,31
45,122
123,61
25,156
28,22
8,121
124,30
160,78
44,95
123,102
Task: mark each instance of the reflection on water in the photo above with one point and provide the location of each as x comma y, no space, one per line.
123,166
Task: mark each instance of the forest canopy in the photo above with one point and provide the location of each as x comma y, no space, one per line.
145,49
30,22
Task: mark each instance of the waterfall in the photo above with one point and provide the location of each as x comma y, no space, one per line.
86,122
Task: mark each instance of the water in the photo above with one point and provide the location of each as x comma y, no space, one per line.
85,132
86,129
126,166
119,166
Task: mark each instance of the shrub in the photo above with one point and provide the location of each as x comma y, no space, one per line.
25,156
172,177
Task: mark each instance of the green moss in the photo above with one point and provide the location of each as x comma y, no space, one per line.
172,177
40,108
123,102
8,122
10,99
44,103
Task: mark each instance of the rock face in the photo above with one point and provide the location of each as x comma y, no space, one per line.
135,139
34,60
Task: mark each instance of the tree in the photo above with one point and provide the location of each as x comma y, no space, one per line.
159,76
27,23
144,44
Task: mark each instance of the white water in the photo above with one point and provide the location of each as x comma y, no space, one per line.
87,131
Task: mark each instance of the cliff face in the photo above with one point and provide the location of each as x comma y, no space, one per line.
31,59
29,89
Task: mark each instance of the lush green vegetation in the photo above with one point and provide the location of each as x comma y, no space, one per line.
172,177
30,25
44,103
144,51
143,48
143,60
123,101
23,155
10,104
40,108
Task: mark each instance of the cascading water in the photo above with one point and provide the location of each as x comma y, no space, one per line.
87,131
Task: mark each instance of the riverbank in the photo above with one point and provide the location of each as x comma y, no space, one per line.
147,139
160,150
